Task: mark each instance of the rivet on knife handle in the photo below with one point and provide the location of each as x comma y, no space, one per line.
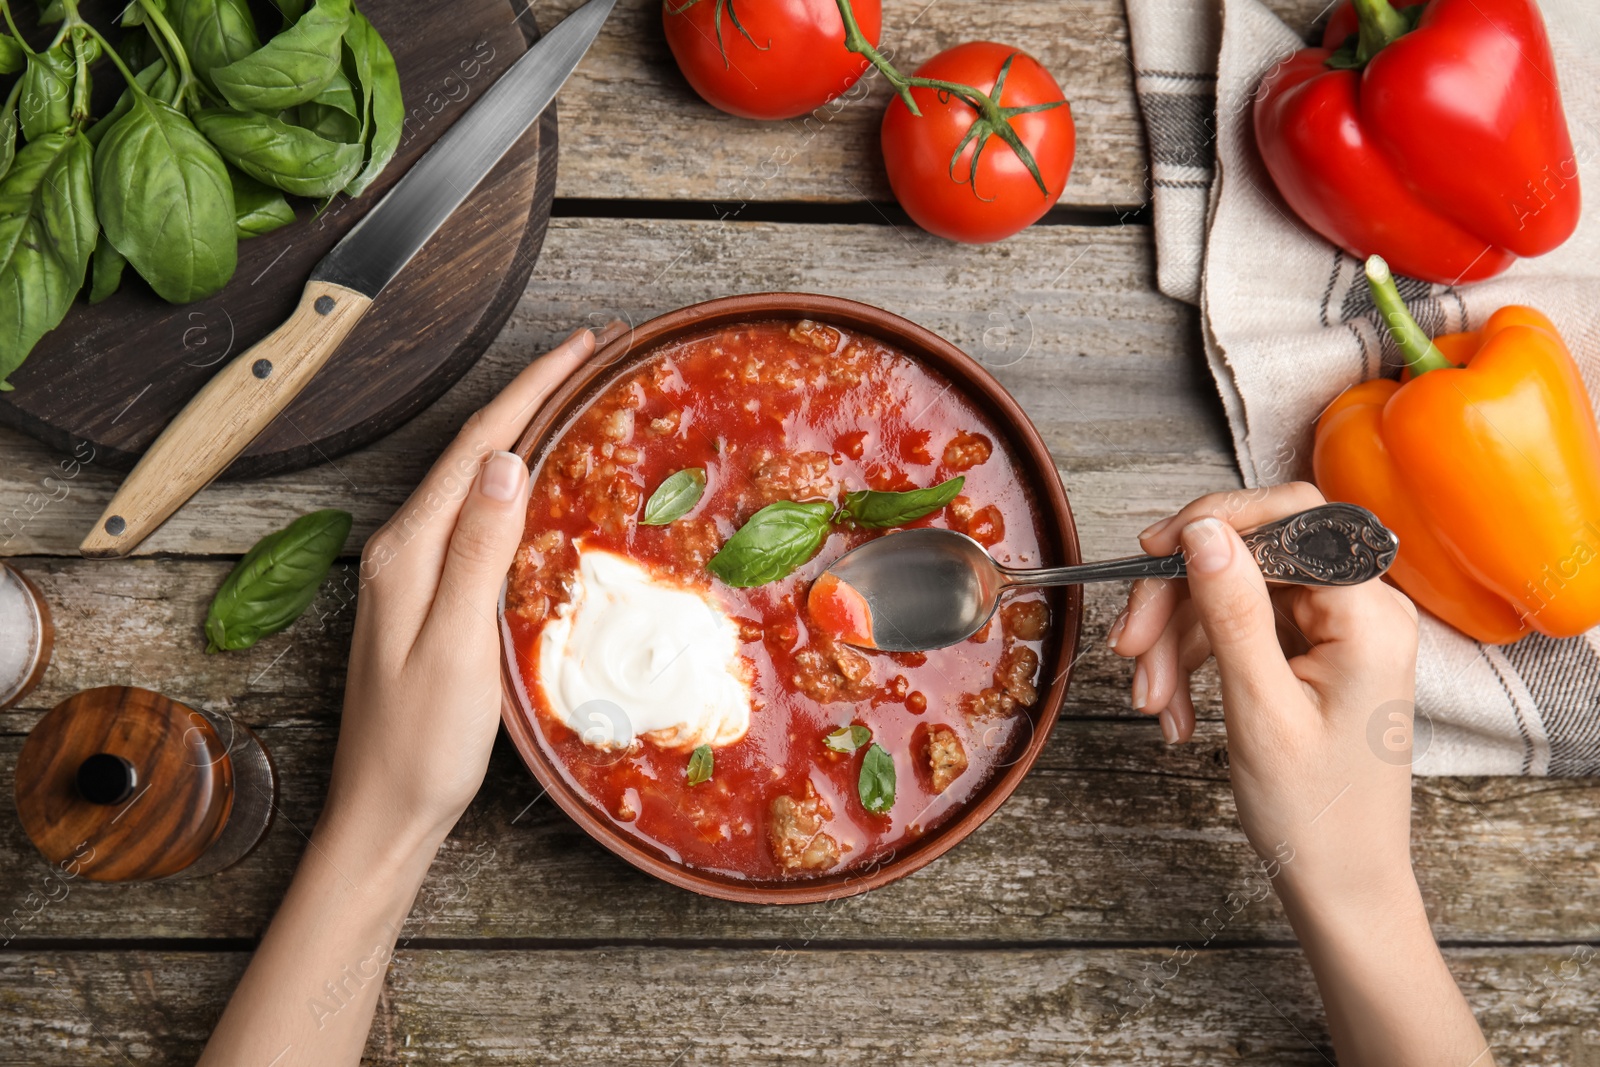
225,416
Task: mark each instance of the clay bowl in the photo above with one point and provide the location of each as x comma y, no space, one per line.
1060,540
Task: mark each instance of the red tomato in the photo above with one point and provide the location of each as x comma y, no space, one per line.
1003,198
797,63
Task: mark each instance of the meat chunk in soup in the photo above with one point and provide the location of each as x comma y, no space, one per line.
795,829
946,758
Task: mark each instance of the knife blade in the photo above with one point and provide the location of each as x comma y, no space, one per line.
251,390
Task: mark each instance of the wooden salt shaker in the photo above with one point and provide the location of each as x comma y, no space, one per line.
127,785
26,636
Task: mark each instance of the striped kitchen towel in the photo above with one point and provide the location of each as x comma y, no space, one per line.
1288,323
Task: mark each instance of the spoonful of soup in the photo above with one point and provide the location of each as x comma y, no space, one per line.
927,588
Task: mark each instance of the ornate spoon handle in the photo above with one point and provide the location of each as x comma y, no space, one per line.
1334,544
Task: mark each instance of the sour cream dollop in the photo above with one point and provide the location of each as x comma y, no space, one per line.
630,656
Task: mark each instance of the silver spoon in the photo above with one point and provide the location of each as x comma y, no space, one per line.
929,588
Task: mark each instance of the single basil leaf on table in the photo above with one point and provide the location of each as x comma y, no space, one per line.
275,581
12,56
47,235
282,155
383,111
106,275
45,102
257,208
214,33
165,201
674,497
874,510
876,784
700,765
776,540
847,738
292,67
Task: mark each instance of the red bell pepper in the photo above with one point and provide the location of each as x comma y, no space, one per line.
1432,135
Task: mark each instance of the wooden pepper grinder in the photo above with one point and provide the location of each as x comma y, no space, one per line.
127,785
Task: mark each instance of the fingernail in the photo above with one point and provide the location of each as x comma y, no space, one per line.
1117,626
1155,528
1169,727
610,332
1207,548
503,477
1141,688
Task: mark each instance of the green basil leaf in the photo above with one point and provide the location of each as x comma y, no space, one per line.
156,79
876,510
700,764
137,49
675,497
45,104
165,201
51,12
47,234
214,33
281,155
292,67
291,10
328,123
776,540
275,581
383,112
107,271
848,738
12,56
257,208
8,139
876,784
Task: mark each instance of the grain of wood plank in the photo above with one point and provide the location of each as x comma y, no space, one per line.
1114,838
1066,317
640,1005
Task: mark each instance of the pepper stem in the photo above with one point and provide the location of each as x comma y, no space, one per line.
1422,355
1380,24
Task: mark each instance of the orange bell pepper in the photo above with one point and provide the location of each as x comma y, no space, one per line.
1485,462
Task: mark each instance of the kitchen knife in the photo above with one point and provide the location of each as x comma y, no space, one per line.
249,392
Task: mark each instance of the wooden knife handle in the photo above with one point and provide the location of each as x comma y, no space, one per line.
224,417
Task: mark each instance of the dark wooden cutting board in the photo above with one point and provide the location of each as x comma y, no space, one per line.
115,374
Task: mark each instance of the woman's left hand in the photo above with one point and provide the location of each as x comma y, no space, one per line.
422,701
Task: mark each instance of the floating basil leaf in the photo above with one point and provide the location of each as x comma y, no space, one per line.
876,510
700,764
257,208
283,156
776,540
47,233
876,784
275,581
848,738
12,56
292,67
45,104
674,497
214,33
107,271
165,201
383,112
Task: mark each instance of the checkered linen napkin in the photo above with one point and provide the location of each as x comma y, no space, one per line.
1289,323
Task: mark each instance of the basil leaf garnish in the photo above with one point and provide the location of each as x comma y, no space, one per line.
875,510
276,580
876,785
674,497
776,540
700,764
848,738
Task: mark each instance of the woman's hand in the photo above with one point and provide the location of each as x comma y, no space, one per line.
1317,697
422,701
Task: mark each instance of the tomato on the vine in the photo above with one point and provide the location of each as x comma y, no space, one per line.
930,158
767,59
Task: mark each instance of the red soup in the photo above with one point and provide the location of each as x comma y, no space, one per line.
717,722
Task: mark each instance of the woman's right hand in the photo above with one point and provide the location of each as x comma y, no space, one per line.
1309,676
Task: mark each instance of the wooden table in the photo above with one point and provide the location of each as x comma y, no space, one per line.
1094,919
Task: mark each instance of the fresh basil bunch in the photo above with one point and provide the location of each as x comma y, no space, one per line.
215,125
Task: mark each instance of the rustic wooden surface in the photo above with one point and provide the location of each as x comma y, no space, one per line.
1060,932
